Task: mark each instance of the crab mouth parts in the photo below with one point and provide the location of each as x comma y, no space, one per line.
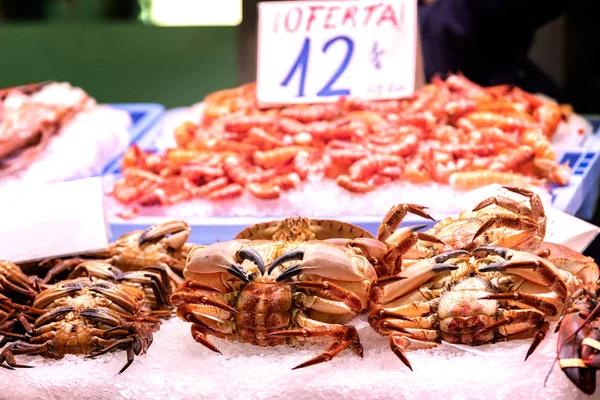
252,255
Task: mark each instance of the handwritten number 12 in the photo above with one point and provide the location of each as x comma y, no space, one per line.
301,64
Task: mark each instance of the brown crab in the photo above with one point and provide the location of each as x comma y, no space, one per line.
82,316
163,245
271,293
496,221
494,294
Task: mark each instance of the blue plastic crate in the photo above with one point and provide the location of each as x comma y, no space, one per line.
143,116
585,164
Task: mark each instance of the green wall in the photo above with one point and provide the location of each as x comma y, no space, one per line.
122,62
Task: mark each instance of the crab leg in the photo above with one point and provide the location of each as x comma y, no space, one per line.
323,305
527,226
395,321
182,298
191,286
400,243
24,290
506,203
537,207
541,303
133,345
199,335
518,321
345,337
179,231
61,267
8,354
159,290
399,343
163,273
394,217
333,292
514,321
415,309
206,320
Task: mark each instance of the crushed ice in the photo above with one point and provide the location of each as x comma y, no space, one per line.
176,367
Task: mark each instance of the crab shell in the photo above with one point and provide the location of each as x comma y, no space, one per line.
299,228
83,292
321,261
331,231
570,260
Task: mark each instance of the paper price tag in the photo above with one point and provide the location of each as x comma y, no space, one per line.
319,51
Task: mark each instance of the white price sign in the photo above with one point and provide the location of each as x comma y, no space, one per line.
319,51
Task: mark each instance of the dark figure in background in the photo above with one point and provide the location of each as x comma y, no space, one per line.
487,40
41,10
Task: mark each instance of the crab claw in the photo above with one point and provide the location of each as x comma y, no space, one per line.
450,254
250,254
370,248
289,273
224,257
500,251
419,273
590,348
497,266
326,260
295,255
531,267
179,230
443,267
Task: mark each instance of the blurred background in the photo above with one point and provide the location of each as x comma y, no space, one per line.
176,51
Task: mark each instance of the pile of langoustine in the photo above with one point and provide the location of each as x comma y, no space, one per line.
452,131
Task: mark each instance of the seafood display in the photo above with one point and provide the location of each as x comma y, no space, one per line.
484,277
451,132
